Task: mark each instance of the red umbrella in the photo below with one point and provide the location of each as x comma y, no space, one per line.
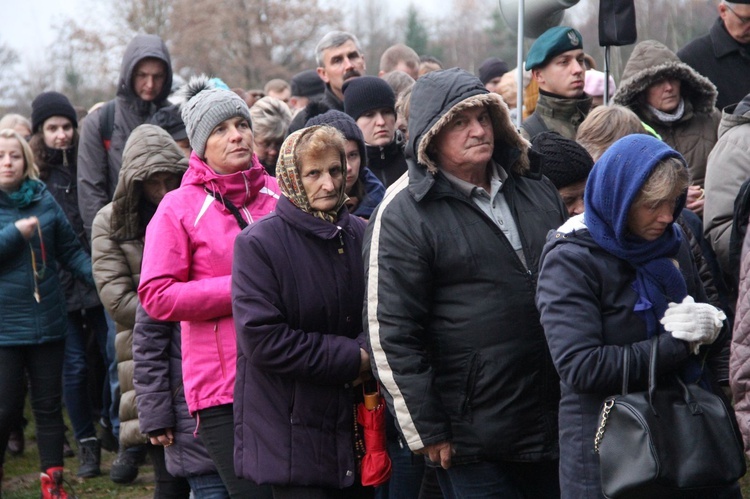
376,465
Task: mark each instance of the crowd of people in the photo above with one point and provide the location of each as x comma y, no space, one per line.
220,279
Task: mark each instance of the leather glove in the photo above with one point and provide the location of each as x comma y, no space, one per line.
697,323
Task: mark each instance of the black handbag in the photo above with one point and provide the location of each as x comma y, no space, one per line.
674,437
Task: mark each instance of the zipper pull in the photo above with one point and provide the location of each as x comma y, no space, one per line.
341,241
382,153
65,157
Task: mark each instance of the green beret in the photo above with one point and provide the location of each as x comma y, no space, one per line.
553,42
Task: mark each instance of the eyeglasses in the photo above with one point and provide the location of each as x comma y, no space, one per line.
743,20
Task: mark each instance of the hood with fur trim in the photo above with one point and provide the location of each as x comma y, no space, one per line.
652,61
436,99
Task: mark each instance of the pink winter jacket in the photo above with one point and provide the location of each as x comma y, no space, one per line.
187,267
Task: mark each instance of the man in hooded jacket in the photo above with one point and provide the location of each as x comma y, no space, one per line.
144,85
451,257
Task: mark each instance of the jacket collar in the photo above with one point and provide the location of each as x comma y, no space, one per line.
572,110
722,41
308,224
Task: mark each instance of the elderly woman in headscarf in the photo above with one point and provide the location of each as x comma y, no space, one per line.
187,260
607,279
678,103
298,288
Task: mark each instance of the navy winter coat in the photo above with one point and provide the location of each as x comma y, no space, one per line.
297,292
23,321
586,299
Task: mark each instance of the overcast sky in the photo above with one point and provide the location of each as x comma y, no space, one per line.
29,27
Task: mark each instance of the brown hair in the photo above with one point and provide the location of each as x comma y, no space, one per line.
315,144
604,126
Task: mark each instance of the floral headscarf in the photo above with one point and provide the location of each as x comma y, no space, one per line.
290,180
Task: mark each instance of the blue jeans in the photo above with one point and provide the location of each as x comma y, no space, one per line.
407,473
76,370
208,487
501,480
114,381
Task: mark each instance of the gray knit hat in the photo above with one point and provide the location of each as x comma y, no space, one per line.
205,108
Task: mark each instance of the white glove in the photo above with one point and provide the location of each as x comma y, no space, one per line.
697,323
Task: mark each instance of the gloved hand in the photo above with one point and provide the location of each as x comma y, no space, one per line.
697,323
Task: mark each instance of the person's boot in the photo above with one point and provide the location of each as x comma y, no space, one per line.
107,437
124,469
16,442
89,455
52,484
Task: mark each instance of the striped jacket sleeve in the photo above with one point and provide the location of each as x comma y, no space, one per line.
397,304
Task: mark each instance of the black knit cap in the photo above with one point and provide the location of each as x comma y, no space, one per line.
48,104
307,84
170,119
492,68
564,161
364,93
344,124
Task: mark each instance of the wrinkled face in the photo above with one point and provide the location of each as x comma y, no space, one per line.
156,186
378,126
466,142
563,75
322,178
12,164
267,149
572,196
649,220
58,132
664,95
341,63
353,162
736,21
229,148
148,78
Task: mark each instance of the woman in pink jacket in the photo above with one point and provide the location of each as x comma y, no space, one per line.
187,260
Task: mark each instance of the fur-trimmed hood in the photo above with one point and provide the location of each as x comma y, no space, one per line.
438,96
652,61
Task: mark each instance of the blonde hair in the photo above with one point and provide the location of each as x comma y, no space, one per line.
668,180
13,120
604,126
321,140
30,170
270,118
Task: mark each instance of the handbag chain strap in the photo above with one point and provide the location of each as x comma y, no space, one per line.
600,432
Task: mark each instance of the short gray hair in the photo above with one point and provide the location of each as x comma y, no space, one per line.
270,117
333,39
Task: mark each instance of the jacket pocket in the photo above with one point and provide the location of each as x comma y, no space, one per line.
469,386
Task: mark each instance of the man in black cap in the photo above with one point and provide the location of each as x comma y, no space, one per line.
556,62
306,86
491,72
723,55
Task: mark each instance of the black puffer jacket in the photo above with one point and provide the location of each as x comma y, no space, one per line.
387,162
455,335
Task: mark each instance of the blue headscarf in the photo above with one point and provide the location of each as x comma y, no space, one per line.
612,187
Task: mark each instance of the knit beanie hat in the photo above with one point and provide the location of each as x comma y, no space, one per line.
565,161
169,119
492,68
48,104
594,85
364,93
205,108
344,124
307,84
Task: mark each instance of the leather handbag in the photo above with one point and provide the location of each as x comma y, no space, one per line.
674,437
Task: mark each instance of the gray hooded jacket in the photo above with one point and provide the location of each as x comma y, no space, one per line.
99,167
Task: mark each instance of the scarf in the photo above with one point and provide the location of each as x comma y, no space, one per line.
25,194
614,184
668,117
290,180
